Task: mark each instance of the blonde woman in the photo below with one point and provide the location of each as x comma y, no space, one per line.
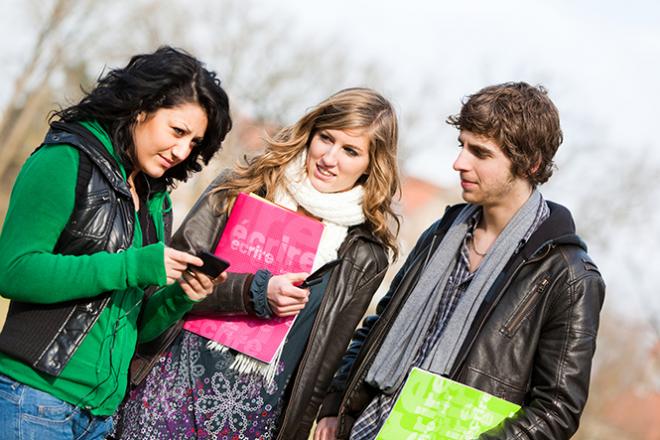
337,164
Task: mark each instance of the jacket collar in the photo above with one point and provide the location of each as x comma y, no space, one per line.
558,229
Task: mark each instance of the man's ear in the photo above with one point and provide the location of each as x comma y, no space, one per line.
535,168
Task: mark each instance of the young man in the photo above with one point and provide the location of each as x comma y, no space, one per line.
499,294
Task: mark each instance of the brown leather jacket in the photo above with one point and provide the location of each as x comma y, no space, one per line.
352,284
532,341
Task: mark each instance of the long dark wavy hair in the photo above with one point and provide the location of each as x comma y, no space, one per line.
164,79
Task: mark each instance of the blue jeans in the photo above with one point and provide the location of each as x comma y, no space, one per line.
30,414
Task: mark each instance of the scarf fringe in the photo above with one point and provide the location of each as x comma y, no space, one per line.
244,364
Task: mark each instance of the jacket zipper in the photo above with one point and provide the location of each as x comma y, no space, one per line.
512,326
377,338
465,352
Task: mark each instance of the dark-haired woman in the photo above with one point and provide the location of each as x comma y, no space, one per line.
84,237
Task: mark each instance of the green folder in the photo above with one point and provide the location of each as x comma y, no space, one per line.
432,407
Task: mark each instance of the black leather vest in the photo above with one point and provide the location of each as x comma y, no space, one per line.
45,336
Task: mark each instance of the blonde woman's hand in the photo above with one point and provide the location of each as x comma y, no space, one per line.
284,298
326,429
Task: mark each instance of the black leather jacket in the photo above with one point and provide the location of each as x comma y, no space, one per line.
102,220
351,286
532,341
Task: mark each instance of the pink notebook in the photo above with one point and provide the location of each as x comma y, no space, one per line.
260,235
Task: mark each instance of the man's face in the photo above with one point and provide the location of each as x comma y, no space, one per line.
485,172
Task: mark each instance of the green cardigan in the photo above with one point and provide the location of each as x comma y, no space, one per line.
41,203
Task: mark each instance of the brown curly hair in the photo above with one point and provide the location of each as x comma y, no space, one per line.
353,108
522,120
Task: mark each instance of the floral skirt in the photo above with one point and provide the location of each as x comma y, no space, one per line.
192,393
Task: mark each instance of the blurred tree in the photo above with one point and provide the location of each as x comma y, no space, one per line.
614,204
272,71
48,68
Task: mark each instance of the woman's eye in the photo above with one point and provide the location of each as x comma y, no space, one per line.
324,137
351,152
178,131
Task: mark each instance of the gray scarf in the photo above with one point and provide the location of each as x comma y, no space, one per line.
410,327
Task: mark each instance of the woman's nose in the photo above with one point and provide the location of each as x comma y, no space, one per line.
181,150
330,155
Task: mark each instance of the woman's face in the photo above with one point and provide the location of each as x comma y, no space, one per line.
336,159
165,138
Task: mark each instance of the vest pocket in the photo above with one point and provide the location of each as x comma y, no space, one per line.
96,198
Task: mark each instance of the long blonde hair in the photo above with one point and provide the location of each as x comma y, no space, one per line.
354,108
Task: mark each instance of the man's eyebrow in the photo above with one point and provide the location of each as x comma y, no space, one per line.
482,149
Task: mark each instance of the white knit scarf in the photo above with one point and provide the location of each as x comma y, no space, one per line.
338,211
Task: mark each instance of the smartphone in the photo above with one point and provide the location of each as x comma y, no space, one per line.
310,282
213,265
317,276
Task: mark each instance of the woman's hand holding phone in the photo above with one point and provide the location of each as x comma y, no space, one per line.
198,285
176,263
284,297
182,267
213,265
